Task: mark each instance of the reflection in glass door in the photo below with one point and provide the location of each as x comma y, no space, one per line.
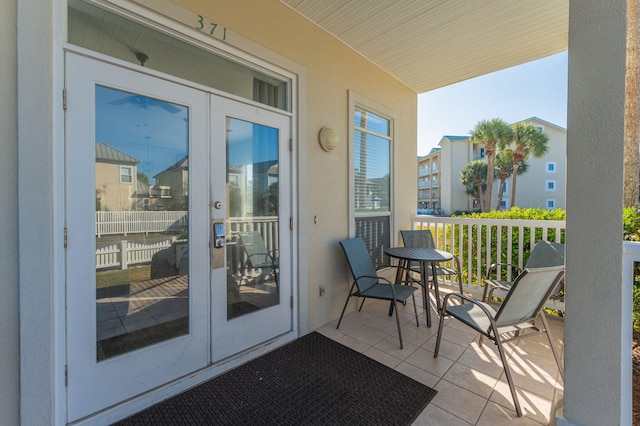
252,212
137,276
142,221
251,188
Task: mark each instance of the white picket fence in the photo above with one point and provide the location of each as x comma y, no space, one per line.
123,254
140,222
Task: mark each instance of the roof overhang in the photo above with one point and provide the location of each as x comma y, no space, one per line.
428,44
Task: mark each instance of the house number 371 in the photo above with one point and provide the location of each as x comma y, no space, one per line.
211,28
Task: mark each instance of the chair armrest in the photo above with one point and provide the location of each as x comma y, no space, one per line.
493,267
470,300
374,276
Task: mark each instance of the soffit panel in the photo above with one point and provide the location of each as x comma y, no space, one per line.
428,44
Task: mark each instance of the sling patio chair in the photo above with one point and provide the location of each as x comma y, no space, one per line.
367,283
543,254
257,254
422,238
514,319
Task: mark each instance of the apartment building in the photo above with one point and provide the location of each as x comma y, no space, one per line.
542,186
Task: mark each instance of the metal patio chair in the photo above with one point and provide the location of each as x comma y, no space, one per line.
543,254
257,254
517,315
424,239
367,283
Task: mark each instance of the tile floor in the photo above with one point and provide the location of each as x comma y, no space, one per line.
472,388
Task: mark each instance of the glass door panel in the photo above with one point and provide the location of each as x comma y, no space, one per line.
252,212
137,278
142,221
254,305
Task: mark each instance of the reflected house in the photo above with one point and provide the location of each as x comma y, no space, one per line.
258,183
116,180
171,190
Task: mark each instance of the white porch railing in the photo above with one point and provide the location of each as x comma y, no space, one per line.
480,242
267,226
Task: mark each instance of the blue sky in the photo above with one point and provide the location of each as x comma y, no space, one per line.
537,88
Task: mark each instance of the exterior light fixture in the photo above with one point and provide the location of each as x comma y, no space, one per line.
328,139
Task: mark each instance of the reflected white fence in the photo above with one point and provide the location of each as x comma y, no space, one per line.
125,253
122,254
140,222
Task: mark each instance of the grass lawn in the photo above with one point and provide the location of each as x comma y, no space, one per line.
126,276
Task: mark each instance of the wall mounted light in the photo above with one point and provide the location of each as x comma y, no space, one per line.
328,139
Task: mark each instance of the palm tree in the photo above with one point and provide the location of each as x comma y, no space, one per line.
473,176
504,170
491,134
528,140
631,110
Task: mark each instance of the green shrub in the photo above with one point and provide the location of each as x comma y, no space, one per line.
505,234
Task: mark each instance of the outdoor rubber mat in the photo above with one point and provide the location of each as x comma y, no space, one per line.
310,381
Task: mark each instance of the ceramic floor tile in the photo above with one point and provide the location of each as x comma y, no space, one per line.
391,345
533,406
436,416
482,359
424,359
497,415
458,401
355,344
457,336
368,335
472,380
417,374
382,357
447,349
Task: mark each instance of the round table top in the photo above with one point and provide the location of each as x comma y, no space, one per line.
419,254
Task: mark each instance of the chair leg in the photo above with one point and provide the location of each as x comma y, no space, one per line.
362,304
415,309
547,330
485,292
507,372
398,323
440,328
343,309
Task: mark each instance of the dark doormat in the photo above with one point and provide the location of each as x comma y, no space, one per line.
312,380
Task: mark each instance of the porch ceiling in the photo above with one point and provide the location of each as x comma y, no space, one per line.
428,44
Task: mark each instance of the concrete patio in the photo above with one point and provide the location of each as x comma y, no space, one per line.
470,380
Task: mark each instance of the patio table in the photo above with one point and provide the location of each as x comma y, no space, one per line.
425,257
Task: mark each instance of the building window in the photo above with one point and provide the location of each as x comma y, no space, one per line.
504,203
550,166
550,185
551,203
126,174
372,142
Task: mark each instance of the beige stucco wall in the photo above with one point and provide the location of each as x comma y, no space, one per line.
530,187
333,69
114,195
9,323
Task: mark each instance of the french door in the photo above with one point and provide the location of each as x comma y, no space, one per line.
177,253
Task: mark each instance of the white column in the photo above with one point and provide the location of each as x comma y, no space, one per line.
597,354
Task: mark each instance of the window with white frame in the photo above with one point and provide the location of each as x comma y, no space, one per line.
551,203
550,166
504,203
550,185
126,174
372,143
